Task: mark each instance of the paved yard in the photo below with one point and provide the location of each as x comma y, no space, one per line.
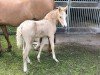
88,39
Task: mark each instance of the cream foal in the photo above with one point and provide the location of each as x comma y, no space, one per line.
37,29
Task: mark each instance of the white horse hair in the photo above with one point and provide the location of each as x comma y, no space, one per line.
36,29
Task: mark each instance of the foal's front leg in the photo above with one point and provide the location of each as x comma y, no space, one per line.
52,47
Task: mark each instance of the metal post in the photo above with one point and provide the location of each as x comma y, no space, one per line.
68,17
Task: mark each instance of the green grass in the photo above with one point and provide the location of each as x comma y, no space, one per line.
75,59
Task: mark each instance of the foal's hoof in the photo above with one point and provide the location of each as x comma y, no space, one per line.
25,71
36,49
56,60
38,60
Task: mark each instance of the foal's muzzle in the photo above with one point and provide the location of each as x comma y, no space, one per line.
64,26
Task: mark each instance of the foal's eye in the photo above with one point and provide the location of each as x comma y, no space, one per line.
60,17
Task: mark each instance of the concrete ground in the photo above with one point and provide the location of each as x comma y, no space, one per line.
85,39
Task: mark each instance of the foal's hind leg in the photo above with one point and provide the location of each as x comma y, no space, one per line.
26,59
38,45
4,29
41,47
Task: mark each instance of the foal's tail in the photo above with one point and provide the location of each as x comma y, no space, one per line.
19,37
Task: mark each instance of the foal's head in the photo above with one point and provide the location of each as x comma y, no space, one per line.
62,16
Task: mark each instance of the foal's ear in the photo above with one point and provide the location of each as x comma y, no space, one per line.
59,8
65,8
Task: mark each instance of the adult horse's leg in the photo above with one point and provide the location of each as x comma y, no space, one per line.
55,38
4,29
0,48
49,47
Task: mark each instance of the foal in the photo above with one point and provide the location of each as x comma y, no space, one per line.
37,29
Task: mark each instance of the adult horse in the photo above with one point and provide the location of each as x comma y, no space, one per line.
14,12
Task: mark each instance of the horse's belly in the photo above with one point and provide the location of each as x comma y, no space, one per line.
15,12
40,34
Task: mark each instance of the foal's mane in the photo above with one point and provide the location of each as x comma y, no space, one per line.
52,14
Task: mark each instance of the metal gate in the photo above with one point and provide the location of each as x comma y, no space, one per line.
83,15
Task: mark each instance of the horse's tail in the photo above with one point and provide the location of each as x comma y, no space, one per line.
19,38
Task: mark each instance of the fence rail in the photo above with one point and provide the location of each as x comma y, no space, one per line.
81,0
83,15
